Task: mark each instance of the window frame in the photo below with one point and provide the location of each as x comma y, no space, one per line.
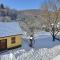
13,40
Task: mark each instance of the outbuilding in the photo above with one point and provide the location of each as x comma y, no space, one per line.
10,35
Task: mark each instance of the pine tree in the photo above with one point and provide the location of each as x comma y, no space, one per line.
2,6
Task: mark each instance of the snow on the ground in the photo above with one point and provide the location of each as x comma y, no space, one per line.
40,54
57,58
32,54
41,40
8,57
43,49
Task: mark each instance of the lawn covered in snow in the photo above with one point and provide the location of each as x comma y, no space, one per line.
43,49
41,40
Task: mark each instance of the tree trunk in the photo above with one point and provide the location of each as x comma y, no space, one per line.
53,37
31,44
31,41
53,33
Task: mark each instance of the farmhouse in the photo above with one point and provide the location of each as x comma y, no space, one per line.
10,35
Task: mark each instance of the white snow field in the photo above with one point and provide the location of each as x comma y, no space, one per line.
57,58
43,49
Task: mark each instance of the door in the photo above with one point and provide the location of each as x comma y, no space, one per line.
3,44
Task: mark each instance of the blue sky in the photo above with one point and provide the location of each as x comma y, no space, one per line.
22,4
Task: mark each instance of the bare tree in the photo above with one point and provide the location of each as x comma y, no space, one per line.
51,14
30,25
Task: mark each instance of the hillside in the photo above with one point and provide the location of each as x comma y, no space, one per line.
26,18
30,18
33,19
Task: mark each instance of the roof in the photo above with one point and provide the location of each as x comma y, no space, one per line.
9,28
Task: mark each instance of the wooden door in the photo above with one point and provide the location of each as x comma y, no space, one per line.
3,44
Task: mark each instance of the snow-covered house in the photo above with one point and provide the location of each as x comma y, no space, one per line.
10,35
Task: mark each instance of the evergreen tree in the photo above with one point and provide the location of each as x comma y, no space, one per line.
2,6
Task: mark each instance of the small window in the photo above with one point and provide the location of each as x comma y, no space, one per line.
13,40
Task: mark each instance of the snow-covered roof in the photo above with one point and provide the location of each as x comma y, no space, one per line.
9,28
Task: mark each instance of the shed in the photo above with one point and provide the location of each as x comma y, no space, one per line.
10,35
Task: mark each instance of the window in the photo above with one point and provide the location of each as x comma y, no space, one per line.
13,40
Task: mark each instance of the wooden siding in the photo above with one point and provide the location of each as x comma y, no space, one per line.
18,41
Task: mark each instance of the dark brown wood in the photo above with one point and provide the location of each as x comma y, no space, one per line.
3,44
5,50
